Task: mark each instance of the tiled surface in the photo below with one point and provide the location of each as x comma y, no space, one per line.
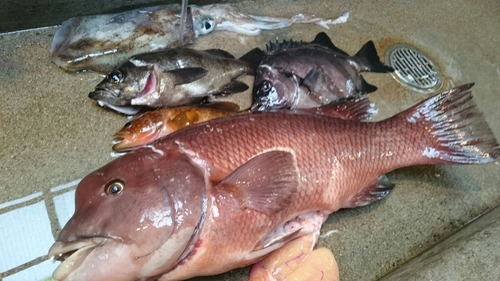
26,233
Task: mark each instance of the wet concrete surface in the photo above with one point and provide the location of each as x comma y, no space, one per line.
51,133
469,254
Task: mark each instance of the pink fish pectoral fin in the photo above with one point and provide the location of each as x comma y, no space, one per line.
306,224
370,194
264,183
283,261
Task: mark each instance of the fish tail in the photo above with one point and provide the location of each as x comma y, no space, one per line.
369,59
455,131
253,59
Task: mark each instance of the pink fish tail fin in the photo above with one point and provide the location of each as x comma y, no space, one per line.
455,130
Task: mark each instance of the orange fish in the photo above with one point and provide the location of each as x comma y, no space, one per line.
155,124
152,125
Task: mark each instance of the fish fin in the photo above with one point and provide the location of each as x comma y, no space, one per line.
234,86
456,131
322,88
286,259
308,223
312,78
323,40
220,53
366,88
372,193
280,46
369,59
264,183
358,109
186,75
253,59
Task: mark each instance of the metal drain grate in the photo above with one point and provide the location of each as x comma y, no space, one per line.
413,68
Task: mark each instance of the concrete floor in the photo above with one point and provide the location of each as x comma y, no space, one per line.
51,133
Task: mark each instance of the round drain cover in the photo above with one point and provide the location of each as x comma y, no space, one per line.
413,68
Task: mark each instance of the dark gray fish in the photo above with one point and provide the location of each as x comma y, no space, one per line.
173,77
295,75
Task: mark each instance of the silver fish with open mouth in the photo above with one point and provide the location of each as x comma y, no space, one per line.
297,75
173,77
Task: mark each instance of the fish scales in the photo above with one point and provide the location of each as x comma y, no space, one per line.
327,152
262,179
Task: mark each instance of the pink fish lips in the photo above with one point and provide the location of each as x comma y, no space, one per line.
150,92
72,254
228,192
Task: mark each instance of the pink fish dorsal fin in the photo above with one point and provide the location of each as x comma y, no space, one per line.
357,109
264,183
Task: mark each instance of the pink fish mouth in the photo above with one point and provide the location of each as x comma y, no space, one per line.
149,90
72,254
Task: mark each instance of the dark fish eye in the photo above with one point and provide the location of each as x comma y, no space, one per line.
116,76
115,188
128,124
266,86
208,25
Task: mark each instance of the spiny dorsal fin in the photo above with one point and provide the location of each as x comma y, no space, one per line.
284,45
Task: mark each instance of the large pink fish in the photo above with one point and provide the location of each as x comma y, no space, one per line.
225,193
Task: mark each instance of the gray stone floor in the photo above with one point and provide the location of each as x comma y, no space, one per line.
52,134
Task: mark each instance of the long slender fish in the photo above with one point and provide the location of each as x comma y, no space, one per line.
240,187
102,42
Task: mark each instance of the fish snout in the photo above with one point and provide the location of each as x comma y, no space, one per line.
267,97
106,95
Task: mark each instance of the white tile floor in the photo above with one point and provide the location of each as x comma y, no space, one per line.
26,233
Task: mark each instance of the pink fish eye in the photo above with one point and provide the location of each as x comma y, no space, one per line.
115,188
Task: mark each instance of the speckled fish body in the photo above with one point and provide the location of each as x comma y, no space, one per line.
240,187
297,75
172,77
152,125
102,42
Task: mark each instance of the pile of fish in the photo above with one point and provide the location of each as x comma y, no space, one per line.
204,179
